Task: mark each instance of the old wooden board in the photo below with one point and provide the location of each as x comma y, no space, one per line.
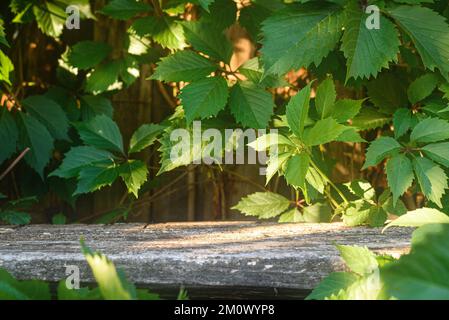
228,254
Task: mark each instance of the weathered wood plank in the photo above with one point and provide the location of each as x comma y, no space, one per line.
195,254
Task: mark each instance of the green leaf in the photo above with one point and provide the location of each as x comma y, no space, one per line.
429,32
65,293
332,284
430,130
370,118
87,54
124,9
8,292
399,174
111,285
402,122
291,216
183,66
346,109
12,289
322,132
444,87
325,98
422,274
297,111
388,91
204,98
67,100
317,213
205,4
359,44
92,106
357,213
104,77
362,189
182,294
50,18
143,294
422,87
350,134
436,108
275,163
266,141
6,67
252,16
2,34
209,39
418,218
6,277
390,207
359,259
222,14
15,217
93,178
129,70
439,152
414,1
315,180
379,149
309,32
144,137
34,289
59,218
83,6
369,287
79,157
184,152
113,216
167,31
384,259
377,216
432,179
64,189
254,72
419,235
264,205
49,114
296,170
22,11
8,134
34,135
101,132
251,105
134,173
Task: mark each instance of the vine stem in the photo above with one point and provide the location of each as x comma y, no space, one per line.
332,200
157,8
321,173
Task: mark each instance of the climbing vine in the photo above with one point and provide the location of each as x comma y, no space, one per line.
370,77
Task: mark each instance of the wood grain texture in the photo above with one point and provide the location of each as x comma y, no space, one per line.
216,254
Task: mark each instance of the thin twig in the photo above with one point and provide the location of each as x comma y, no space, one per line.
165,95
246,179
14,163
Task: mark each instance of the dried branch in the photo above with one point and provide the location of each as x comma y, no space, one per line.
14,163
